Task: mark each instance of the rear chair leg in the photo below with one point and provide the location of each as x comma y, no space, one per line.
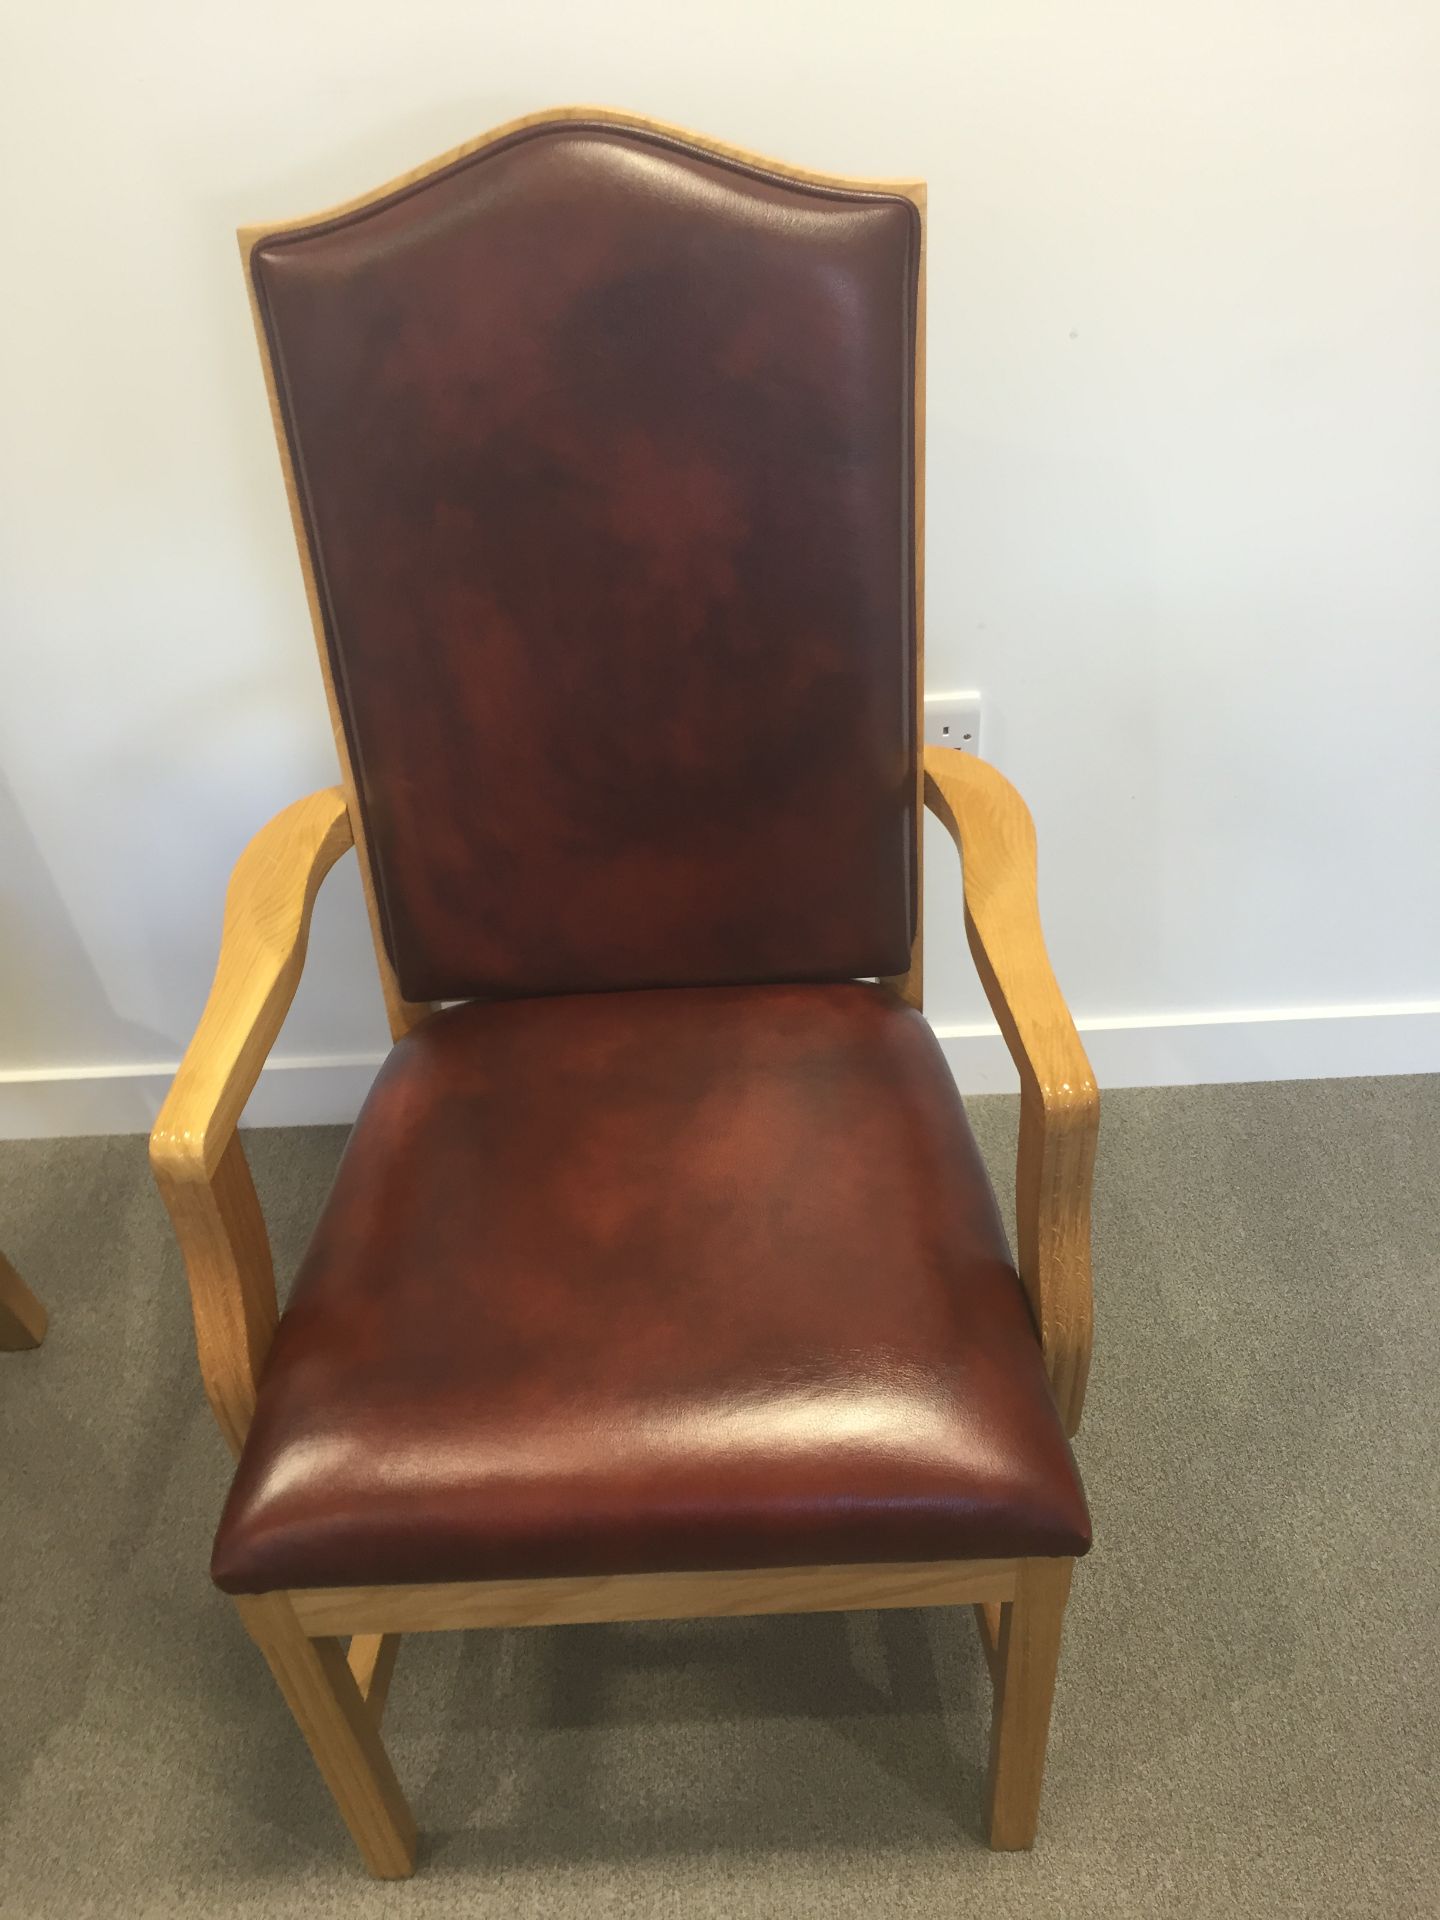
371,1658
342,1730
1025,1662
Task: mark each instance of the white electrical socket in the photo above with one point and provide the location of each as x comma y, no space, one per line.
953,720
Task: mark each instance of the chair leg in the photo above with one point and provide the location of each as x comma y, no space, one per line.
1025,1664
342,1731
371,1658
22,1318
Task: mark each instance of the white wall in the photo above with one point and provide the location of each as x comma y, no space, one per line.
1183,494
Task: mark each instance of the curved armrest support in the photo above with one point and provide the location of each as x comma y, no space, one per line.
195,1150
1059,1103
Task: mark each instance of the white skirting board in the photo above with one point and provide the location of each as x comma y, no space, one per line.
1203,1049
1302,1043
295,1092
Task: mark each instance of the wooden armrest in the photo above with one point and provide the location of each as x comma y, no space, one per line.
262,950
195,1150
1059,1102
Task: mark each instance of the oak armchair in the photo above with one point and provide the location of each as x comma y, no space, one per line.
661,1277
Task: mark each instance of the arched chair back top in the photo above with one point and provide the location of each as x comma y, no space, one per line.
603,444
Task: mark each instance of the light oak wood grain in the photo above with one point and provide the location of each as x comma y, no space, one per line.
989,1618
1026,1660
195,1151
23,1319
341,1730
1059,1102
649,1596
371,1658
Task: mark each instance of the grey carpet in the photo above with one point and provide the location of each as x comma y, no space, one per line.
1247,1716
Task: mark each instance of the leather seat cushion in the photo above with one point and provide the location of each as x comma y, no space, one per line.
676,1279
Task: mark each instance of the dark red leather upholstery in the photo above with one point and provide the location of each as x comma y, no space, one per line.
604,447
689,1279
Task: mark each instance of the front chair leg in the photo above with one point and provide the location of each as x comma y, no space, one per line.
342,1730
1025,1662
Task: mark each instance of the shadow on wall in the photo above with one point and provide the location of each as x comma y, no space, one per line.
55,1013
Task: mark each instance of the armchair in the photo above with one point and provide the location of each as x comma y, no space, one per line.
661,1277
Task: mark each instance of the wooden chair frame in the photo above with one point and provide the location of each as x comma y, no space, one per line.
22,1317
337,1692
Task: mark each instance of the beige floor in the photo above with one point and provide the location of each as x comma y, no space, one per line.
1248,1716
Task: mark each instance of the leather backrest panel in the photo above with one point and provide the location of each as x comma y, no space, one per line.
603,445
